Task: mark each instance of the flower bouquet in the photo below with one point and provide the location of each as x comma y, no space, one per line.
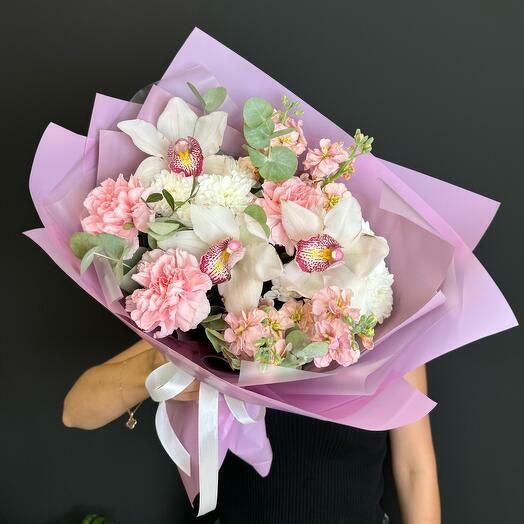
265,252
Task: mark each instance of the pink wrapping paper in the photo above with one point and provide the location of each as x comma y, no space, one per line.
443,296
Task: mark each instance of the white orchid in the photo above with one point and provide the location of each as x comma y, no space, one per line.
332,250
233,251
180,141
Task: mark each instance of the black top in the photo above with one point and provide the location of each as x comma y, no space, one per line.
322,473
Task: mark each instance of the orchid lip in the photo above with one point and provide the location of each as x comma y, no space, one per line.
185,156
220,258
318,253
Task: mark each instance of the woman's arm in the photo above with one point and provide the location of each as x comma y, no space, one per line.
105,392
414,465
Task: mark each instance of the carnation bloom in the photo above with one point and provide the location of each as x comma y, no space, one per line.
294,140
116,207
245,328
292,190
337,335
333,303
180,142
173,293
325,161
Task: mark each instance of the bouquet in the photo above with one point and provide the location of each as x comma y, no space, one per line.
265,252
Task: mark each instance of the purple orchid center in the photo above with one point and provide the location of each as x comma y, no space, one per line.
318,253
219,258
185,156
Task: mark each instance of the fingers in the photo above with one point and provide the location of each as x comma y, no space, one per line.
190,393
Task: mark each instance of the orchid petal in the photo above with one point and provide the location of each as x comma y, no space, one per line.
219,165
242,292
344,221
294,279
149,168
185,240
298,222
209,131
212,224
262,261
340,276
365,253
251,230
177,120
145,136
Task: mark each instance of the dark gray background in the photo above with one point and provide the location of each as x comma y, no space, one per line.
440,86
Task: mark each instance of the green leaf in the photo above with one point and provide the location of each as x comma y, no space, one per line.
135,259
214,98
212,317
257,212
80,243
112,245
151,241
217,325
216,341
281,164
163,228
291,361
154,197
197,94
169,198
258,158
260,136
87,259
298,339
256,111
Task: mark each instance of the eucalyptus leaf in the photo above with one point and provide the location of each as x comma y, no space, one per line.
135,259
281,164
87,259
217,325
151,241
112,245
298,339
80,243
212,317
214,98
313,350
260,136
258,158
257,212
197,94
163,228
127,283
256,111
282,132
216,342
291,361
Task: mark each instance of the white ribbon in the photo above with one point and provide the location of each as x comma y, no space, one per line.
167,382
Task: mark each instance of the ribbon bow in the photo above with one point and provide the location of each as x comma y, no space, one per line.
168,381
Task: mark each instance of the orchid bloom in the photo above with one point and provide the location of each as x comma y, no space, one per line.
233,251
179,142
332,250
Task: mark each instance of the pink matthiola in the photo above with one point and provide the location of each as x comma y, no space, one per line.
116,207
292,190
325,161
173,293
300,314
333,193
277,321
294,140
336,334
333,303
244,330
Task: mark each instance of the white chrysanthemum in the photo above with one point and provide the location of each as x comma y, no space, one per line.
373,294
180,188
232,191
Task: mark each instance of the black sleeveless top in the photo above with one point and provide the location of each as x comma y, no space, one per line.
322,473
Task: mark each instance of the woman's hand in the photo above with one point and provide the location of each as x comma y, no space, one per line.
105,392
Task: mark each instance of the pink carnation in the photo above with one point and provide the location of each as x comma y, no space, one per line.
294,140
337,335
244,330
325,161
333,303
116,207
292,190
173,294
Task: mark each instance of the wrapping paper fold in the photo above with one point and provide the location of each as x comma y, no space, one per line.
444,298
